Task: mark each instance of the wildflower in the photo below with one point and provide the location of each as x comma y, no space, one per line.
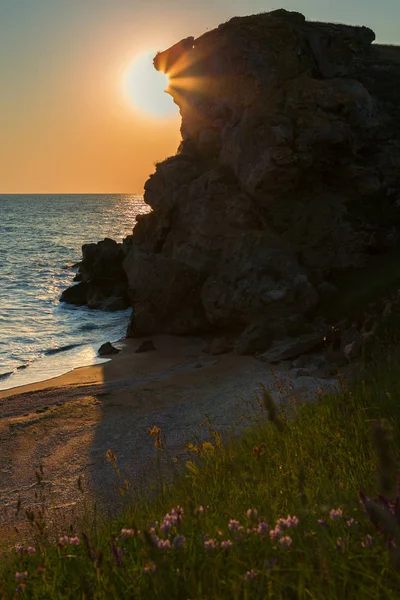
275,534
336,514
63,540
289,522
31,550
149,568
252,513
178,541
164,544
250,575
285,541
22,575
262,527
340,543
127,532
166,526
368,541
176,515
234,525
351,522
199,510
20,548
210,544
226,544
322,522
74,541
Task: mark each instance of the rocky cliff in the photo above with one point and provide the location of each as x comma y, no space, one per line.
288,172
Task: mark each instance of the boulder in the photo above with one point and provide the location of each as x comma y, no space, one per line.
107,349
76,294
290,348
103,283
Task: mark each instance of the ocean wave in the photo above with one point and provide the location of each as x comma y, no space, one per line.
5,375
51,351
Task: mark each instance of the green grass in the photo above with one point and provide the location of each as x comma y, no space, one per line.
306,466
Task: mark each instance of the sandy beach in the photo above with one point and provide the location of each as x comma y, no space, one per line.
66,425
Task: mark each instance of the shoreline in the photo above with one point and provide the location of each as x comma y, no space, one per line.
67,424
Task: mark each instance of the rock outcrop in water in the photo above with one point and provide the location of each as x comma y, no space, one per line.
102,279
288,172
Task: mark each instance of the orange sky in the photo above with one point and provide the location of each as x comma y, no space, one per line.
66,125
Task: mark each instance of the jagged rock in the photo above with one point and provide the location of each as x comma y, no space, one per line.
273,184
287,175
290,348
103,280
257,276
146,346
165,293
76,294
258,337
107,348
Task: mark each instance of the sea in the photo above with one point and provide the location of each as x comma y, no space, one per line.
40,240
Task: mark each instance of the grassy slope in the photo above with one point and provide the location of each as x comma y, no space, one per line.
305,467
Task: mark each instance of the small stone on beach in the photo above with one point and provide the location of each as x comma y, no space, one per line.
107,348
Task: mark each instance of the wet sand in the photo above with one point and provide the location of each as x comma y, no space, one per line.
66,425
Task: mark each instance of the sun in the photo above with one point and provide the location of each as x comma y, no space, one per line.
145,87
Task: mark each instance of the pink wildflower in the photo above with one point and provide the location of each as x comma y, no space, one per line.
226,544
74,541
289,522
250,575
234,525
351,522
285,541
210,544
164,544
336,514
368,541
20,548
127,532
22,575
176,516
63,540
31,550
322,522
275,534
199,510
252,513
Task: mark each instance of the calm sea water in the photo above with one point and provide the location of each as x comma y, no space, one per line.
40,239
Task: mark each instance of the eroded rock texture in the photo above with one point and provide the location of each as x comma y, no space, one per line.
288,171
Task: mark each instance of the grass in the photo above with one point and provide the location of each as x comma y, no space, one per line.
207,533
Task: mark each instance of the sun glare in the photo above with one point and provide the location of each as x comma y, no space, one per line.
145,87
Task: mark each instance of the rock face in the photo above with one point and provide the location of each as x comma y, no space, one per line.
286,160
102,280
288,172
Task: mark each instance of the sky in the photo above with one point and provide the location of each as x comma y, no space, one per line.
70,122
